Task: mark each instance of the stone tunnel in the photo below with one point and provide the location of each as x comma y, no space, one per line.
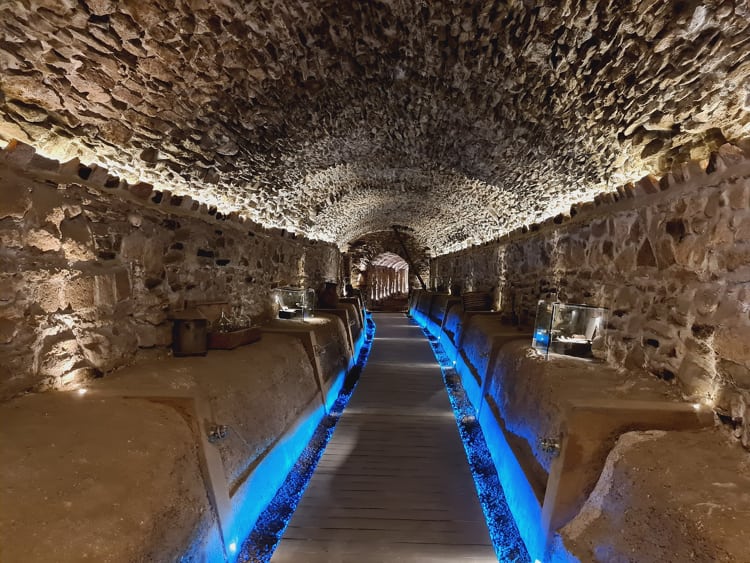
415,280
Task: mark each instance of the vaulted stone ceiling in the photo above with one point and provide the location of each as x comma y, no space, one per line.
460,120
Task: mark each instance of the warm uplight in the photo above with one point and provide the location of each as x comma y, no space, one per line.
82,391
709,400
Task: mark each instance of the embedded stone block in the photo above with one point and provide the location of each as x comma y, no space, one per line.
733,344
647,185
737,195
42,240
48,294
153,336
141,190
17,154
77,240
8,330
15,198
59,354
79,293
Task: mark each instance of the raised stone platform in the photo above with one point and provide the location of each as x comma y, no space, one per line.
164,459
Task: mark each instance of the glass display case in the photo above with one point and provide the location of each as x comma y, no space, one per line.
564,328
294,302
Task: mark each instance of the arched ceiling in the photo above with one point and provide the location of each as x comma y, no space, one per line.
390,260
366,249
460,120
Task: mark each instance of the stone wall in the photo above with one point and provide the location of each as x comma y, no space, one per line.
669,258
88,279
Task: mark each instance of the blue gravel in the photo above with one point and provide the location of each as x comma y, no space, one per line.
260,545
503,530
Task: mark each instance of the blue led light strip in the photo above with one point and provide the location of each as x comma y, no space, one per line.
506,540
271,524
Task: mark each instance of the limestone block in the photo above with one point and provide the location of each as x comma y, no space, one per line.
15,197
665,255
647,185
733,344
43,240
737,257
48,295
98,175
707,299
174,256
599,228
646,256
47,205
105,348
153,257
635,358
695,378
737,195
691,252
44,165
79,293
8,329
713,203
734,373
151,336
732,154
68,170
58,355
133,246
77,241
17,154
141,190
692,171
742,232
122,285
660,329
721,234
105,293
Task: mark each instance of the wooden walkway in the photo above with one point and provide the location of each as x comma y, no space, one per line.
393,484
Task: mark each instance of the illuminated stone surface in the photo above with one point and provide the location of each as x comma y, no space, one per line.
671,267
335,120
364,250
89,281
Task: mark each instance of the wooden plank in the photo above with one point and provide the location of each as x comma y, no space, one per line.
393,483
419,535
406,525
310,551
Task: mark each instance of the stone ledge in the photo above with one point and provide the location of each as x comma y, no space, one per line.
156,415
683,496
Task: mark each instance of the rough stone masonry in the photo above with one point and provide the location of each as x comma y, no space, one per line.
89,279
334,119
671,261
